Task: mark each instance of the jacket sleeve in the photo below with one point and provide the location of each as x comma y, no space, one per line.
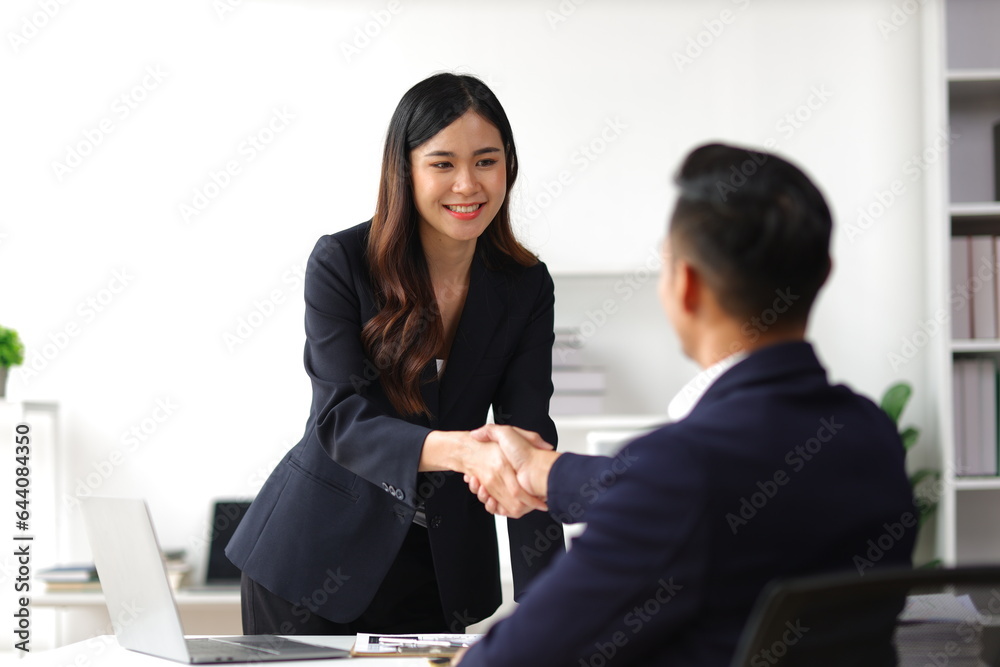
576,481
631,580
355,432
522,400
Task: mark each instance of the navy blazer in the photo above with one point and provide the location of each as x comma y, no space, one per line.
775,473
330,519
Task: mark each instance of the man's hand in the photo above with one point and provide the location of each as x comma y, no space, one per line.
529,455
479,458
497,480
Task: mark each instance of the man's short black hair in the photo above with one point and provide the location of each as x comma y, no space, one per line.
757,229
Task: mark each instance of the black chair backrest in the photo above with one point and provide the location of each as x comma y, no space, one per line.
846,619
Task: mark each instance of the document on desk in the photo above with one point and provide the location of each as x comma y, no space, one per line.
430,645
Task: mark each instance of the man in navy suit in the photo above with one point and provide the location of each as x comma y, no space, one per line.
770,471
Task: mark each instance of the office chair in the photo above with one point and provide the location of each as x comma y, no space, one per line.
848,620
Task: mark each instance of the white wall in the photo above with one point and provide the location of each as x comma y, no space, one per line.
279,70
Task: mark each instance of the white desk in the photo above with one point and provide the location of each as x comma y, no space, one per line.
104,651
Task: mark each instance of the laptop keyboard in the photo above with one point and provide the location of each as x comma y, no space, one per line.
249,647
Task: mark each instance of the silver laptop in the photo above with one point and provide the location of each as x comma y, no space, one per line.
141,603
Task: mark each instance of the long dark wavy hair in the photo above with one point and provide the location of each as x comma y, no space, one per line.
406,333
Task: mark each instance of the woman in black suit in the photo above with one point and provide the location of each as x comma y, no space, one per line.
417,322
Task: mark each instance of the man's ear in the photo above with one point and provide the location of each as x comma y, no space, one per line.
829,270
689,284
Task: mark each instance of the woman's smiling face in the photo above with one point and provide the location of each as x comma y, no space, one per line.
459,180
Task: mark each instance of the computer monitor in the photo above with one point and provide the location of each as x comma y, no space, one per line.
226,516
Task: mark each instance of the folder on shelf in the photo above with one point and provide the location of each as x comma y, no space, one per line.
958,404
985,456
976,430
961,314
983,283
970,415
996,162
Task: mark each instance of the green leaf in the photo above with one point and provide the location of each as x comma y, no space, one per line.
11,348
922,474
894,400
909,436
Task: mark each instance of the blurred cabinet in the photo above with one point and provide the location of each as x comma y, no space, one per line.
960,150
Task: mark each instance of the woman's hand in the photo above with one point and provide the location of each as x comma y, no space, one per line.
485,462
529,455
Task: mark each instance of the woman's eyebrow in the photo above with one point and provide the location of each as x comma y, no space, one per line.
481,151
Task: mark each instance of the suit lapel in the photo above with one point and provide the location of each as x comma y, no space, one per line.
485,307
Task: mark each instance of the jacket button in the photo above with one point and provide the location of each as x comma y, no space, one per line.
385,487
436,521
399,494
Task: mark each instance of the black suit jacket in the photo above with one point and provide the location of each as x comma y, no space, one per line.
775,473
330,519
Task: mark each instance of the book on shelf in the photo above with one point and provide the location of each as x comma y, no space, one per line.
567,347
982,280
576,404
996,162
59,574
976,432
975,287
571,379
72,586
961,314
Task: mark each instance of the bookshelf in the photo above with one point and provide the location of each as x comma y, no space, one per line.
963,96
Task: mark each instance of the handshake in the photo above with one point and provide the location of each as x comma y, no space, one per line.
508,469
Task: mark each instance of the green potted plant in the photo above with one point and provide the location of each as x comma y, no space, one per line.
11,354
924,481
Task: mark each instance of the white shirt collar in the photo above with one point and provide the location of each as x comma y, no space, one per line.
688,397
